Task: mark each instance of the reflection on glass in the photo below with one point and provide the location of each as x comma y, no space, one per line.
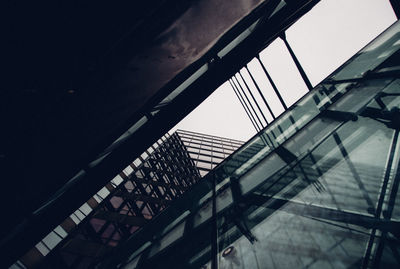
316,189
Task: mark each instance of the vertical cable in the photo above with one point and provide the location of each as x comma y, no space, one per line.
259,91
244,101
254,99
248,101
244,106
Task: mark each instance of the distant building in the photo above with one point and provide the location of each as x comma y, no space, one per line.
207,151
316,187
140,192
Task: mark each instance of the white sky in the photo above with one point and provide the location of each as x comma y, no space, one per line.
323,39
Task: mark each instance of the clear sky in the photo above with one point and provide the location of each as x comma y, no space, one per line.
323,39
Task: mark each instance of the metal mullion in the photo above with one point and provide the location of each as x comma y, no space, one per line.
195,147
204,161
254,99
155,187
144,192
156,191
244,105
169,186
205,154
214,145
395,186
261,94
168,190
184,179
252,108
352,168
133,206
392,197
190,133
214,229
161,182
272,83
208,139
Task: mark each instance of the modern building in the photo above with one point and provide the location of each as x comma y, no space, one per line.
90,87
138,194
207,151
318,190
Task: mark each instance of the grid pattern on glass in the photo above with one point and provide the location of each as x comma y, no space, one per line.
293,173
275,77
325,94
325,195
135,196
139,193
207,151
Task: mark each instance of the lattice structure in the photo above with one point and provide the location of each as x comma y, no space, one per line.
139,193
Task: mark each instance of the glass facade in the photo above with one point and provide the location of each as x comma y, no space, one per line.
317,188
144,189
207,151
138,194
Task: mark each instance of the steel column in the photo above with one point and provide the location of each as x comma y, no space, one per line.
272,83
296,61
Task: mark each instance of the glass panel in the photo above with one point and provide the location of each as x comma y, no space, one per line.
373,55
60,231
205,158
315,189
42,248
204,165
203,214
316,45
168,239
51,240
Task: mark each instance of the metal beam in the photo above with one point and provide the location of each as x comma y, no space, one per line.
38,225
85,248
320,212
297,63
158,183
261,94
252,96
141,197
244,105
121,218
272,83
248,101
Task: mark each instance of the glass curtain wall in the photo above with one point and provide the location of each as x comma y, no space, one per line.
207,151
317,188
